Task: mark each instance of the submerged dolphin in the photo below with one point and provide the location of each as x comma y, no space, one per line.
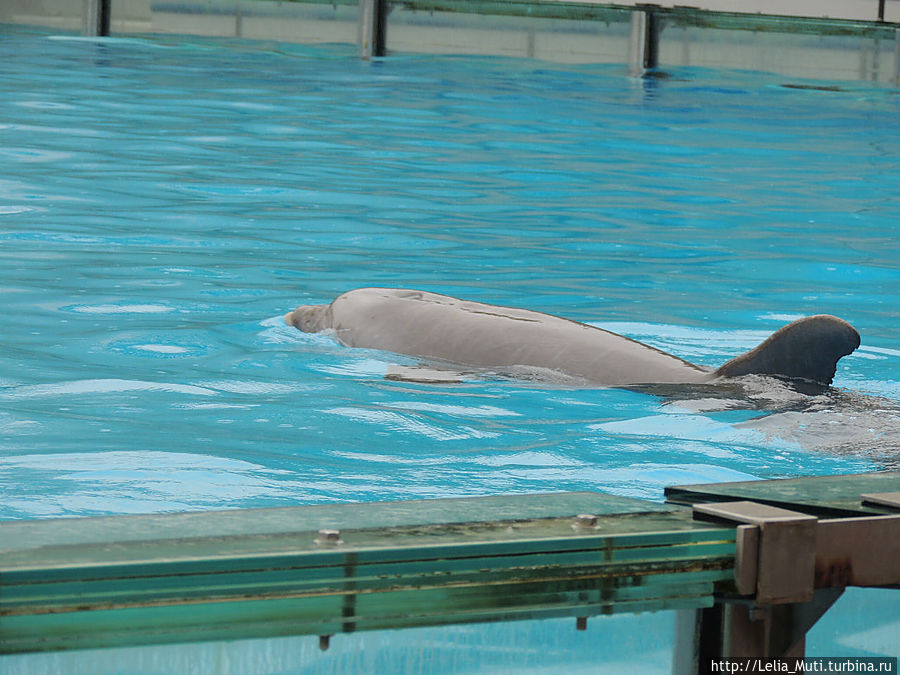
439,327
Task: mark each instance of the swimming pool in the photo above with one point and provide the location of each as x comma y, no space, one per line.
163,201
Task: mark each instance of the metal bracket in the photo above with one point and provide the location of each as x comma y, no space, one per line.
776,550
775,575
790,568
773,630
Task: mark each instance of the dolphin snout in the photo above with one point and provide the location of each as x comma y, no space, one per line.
309,318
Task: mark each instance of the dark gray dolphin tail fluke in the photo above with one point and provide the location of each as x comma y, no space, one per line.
808,349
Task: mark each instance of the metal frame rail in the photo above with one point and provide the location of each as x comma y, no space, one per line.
647,21
750,584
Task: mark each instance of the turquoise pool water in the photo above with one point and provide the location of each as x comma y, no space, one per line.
163,201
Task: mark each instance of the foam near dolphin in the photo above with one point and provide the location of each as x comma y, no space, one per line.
440,327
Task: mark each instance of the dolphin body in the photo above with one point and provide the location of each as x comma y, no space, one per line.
447,329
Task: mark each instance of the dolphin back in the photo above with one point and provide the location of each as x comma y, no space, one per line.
478,335
807,349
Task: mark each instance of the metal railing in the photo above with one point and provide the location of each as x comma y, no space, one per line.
751,566
634,37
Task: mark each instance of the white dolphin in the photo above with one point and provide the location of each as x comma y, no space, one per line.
440,327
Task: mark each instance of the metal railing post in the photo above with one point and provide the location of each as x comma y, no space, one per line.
643,42
95,19
372,28
897,58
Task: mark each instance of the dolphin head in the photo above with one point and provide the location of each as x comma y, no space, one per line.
310,318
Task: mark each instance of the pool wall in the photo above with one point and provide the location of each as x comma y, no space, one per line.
834,41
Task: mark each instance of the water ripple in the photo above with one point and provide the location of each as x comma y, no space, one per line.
150,245
396,422
103,386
